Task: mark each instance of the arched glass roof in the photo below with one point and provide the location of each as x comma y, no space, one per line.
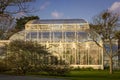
57,21
67,36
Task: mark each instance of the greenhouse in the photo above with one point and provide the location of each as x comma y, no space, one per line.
67,39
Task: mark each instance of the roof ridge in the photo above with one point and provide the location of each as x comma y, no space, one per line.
57,21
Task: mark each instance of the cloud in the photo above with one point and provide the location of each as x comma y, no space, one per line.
45,5
115,7
56,14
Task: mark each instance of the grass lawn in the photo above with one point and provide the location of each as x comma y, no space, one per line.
81,75
92,75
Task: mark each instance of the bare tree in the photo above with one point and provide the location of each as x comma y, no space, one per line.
106,25
7,9
20,5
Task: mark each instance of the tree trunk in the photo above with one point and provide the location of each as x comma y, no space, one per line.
111,65
119,49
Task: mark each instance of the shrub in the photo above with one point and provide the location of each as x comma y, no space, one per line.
58,70
3,67
83,69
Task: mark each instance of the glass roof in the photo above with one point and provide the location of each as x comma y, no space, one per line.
70,36
57,21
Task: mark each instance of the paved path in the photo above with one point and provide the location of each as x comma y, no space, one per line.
7,77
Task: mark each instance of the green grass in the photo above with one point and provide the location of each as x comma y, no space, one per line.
85,75
92,75
81,75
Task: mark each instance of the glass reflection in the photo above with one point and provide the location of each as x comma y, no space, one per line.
70,36
57,36
33,35
45,36
82,36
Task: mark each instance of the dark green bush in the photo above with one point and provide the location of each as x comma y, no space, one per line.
58,70
106,67
83,69
3,67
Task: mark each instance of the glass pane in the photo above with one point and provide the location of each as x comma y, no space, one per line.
68,54
45,36
39,35
33,35
114,47
70,36
93,57
82,36
28,36
83,57
57,36
78,58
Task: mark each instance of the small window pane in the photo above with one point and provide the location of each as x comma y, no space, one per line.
45,36
28,36
33,35
70,36
82,36
57,36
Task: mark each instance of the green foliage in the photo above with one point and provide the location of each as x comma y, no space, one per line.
20,23
23,56
52,67
3,66
83,69
56,67
57,70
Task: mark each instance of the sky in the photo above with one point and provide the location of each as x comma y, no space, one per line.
73,9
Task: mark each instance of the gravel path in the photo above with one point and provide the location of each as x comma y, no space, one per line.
7,77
